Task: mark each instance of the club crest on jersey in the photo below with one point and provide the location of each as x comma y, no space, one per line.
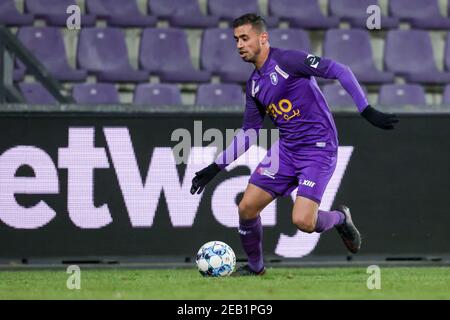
274,78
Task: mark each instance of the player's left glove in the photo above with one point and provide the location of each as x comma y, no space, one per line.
379,119
203,177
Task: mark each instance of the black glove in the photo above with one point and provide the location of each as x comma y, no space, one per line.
204,176
379,119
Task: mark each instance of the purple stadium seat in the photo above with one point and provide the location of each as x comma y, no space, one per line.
232,9
19,71
409,53
96,93
352,47
220,95
120,13
302,14
153,94
402,94
355,13
421,14
47,45
103,52
10,16
36,93
337,97
446,96
219,55
19,74
165,52
54,12
182,13
447,52
294,39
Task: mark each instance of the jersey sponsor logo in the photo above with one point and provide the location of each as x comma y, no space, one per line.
274,78
283,109
312,61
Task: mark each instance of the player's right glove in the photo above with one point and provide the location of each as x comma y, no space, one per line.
379,119
203,177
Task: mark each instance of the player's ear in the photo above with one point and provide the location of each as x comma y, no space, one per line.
263,38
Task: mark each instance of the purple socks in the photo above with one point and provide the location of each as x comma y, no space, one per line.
250,232
328,219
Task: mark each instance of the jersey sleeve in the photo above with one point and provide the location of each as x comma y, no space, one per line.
253,121
303,64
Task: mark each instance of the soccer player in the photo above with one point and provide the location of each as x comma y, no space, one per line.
283,86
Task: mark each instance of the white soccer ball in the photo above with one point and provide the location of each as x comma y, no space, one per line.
216,259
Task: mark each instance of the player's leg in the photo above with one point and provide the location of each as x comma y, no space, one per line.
255,199
274,176
316,172
308,218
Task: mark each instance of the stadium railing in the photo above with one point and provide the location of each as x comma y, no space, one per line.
10,49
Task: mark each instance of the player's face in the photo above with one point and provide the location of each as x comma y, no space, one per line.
249,42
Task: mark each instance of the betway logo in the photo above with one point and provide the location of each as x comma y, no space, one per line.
140,194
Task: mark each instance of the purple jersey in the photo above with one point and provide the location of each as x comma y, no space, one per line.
285,89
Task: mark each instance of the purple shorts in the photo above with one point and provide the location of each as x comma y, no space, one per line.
310,170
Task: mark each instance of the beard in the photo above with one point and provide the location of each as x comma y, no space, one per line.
251,58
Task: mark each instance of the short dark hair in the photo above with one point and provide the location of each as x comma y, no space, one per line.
256,21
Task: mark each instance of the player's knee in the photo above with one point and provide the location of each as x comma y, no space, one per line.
247,211
304,224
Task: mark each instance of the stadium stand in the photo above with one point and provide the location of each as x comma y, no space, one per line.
165,52
96,93
220,95
355,13
182,13
446,96
54,12
302,14
230,9
157,95
447,53
103,52
120,13
295,39
47,44
10,15
409,53
189,42
402,94
337,97
421,14
35,93
19,74
218,55
352,47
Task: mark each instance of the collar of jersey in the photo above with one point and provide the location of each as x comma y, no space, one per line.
266,64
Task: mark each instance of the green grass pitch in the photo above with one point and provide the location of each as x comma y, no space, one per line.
278,283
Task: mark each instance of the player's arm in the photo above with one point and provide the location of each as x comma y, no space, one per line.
301,63
253,120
